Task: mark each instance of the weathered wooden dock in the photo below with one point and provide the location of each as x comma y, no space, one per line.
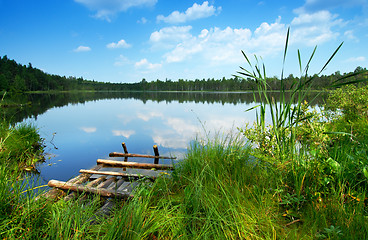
111,178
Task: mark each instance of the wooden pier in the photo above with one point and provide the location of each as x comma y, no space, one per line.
111,178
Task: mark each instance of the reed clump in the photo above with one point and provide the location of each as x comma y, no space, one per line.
318,158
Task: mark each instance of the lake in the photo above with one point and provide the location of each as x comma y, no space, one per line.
80,128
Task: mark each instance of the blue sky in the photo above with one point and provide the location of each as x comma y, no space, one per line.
127,40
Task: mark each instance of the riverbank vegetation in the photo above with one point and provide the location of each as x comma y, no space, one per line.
21,146
297,173
229,188
15,77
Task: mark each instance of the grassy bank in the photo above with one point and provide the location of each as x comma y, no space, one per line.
21,146
301,174
228,188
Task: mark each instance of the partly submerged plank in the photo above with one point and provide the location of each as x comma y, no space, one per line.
80,188
117,154
55,193
93,183
134,164
127,175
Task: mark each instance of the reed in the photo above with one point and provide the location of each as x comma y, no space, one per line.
312,159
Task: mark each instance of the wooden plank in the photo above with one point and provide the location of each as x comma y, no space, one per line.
94,183
125,187
134,164
114,174
104,211
55,193
118,183
116,154
94,190
106,183
84,177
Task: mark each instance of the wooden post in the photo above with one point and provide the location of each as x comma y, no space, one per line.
124,147
155,149
126,152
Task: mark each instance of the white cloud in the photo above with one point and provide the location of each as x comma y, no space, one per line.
186,130
356,59
144,64
124,133
168,37
350,35
120,44
106,9
195,12
217,45
311,6
121,61
88,129
149,115
143,20
82,49
219,48
176,134
315,28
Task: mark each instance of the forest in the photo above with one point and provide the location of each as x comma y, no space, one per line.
15,77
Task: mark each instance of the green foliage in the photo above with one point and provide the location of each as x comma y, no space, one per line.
319,158
348,108
17,78
21,146
304,177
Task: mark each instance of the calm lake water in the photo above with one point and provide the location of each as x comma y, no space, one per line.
79,129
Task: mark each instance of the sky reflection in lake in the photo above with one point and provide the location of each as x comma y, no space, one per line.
82,133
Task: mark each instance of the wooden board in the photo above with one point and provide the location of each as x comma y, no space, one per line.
134,164
116,154
94,190
127,175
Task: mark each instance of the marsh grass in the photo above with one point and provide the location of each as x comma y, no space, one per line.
304,179
21,147
318,163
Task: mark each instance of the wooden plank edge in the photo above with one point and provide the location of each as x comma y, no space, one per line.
116,174
54,194
117,154
80,188
135,164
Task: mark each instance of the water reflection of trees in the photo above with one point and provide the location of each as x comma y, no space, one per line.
40,103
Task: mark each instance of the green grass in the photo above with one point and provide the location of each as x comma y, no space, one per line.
305,176
21,146
219,191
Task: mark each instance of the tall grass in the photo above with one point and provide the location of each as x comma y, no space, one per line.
313,164
21,146
286,115
305,179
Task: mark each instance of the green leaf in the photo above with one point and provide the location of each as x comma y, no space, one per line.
332,56
335,166
249,109
365,172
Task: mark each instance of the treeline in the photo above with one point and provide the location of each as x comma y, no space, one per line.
15,77
40,103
